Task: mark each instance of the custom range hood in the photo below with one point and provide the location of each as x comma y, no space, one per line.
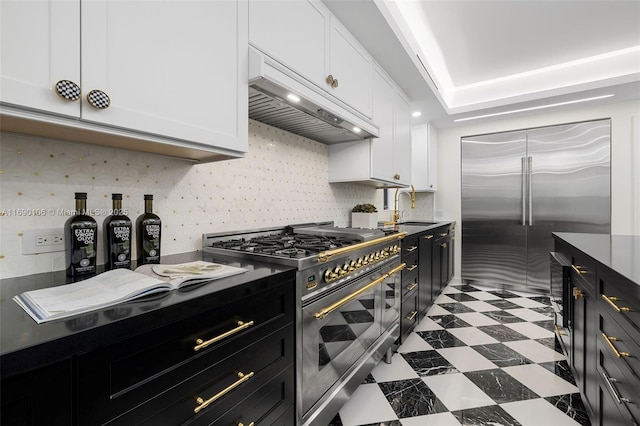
281,98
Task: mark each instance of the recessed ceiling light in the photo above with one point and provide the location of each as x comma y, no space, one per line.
416,113
533,108
357,130
293,97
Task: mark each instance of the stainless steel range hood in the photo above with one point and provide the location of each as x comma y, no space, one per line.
283,99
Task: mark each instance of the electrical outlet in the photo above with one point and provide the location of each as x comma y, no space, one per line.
45,240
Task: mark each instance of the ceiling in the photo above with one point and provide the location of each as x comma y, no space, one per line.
458,59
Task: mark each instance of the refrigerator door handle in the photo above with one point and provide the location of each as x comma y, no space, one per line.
529,189
524,190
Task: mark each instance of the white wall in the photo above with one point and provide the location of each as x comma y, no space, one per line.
283,180
625,160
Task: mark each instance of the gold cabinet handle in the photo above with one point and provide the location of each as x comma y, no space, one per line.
331,81
326,311
443,245
577,293
412,267
202,404
98,99
610,340
201,344
559,331
412,315
412,248
444,235
428,237
325,256
579,269
250,424
611,300
412,286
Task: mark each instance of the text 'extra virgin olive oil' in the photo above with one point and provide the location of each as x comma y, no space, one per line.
148,230
117,236
81,240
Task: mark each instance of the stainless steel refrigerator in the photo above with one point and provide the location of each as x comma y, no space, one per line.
520,186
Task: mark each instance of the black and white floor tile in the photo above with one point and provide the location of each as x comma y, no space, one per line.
480,357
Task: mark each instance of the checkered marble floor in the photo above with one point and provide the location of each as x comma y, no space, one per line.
481,356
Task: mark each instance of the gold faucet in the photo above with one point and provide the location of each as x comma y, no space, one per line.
396,212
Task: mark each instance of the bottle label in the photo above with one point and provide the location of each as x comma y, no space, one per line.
85,235
122,233
83,250
153,231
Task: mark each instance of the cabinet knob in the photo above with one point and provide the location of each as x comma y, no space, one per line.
396,176
333,82
68,90
577,294
98,99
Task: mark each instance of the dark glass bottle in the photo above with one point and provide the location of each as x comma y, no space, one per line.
148,230
81,240
117,236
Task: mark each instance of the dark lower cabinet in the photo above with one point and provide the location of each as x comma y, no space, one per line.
41,397
427,292
605,338
230,362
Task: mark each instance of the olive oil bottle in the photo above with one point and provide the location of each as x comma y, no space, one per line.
81,240
117,236
148,232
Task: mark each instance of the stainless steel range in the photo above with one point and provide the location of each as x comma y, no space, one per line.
348,288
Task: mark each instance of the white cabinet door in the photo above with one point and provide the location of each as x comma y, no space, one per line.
292,32
382,164
169,68
424,157
402,139
40,45
352,67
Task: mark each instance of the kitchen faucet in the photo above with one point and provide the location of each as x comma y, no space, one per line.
396,212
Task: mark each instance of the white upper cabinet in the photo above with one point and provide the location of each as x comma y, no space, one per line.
350,71
40,45
384,161
171,75
424,157
305,37
292,32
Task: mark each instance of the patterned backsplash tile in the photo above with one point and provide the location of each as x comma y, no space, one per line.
282,180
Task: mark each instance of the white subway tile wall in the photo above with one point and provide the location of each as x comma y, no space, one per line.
282,180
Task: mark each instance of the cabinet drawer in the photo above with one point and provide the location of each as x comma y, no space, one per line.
610,412
583,270
272,404
617,348
616,295
623,388
409,315
409,247
116,378
218,385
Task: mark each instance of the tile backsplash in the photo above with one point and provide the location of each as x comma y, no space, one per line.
282,180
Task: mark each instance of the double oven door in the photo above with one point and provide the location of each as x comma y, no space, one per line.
340,326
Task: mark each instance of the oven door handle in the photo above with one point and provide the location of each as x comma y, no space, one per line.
327,255
326,311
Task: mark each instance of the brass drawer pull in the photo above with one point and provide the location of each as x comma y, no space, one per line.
202,404
428,237
412,267
577,293
612,301
579,269
412,315
444,235
325,256
201,344
610,340
412,248
250,424
412,286
443,245
327,310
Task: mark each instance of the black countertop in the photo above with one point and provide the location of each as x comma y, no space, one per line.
56,340
620,253
418,227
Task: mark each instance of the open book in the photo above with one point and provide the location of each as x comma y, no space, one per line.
117,286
